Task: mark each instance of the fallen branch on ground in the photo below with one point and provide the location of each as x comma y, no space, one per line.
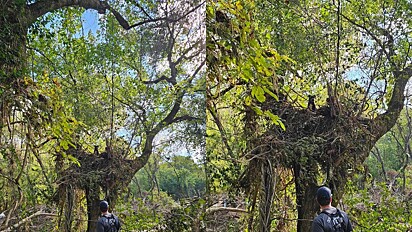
216,209
38,213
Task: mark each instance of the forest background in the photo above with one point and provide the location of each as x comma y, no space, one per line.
297,94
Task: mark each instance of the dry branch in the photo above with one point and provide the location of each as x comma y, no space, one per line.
217,209
27,219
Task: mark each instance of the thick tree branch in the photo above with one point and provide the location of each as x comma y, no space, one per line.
126,25
186,51
39,8
169,119
388,119
163,77
185,118
42,7
198,69
172,65
142,9
150,135
172,114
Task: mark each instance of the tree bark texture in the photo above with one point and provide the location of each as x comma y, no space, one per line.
13,33
12,56
93,210
267,193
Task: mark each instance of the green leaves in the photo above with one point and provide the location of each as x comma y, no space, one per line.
259,93
241,55
275,119
377,213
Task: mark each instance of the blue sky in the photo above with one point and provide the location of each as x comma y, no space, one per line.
90,19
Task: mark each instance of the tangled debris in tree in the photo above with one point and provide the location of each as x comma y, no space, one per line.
98,177
320,146
96,169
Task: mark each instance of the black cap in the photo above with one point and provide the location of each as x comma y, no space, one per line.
323,195
104,206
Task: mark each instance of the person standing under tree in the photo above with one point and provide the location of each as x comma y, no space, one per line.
330,218
107,222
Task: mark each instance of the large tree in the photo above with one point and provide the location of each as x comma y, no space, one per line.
354,56
79,90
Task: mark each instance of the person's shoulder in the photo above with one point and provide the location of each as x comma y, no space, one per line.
319,222
343,213
107,216
101,218
115,217
320,217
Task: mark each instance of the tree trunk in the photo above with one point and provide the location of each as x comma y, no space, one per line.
306,188
68,215
12,41
13,35
267,192
93,210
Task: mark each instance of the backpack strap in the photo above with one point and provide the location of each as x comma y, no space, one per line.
340,223
338,212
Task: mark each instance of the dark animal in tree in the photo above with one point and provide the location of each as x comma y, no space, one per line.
221,17
107,153
311,103
96,150
43,98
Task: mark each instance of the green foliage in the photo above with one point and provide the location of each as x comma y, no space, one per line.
378,208
145,214
188,217
391,151
239,56
179,176
158,211
341,56
75,88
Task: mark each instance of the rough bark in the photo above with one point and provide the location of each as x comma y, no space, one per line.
267,194
12,42
93,200
306,204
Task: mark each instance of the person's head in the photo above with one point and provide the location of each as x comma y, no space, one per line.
104,206
324,196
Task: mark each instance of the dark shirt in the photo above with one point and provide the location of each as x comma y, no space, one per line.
323,222
108,223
